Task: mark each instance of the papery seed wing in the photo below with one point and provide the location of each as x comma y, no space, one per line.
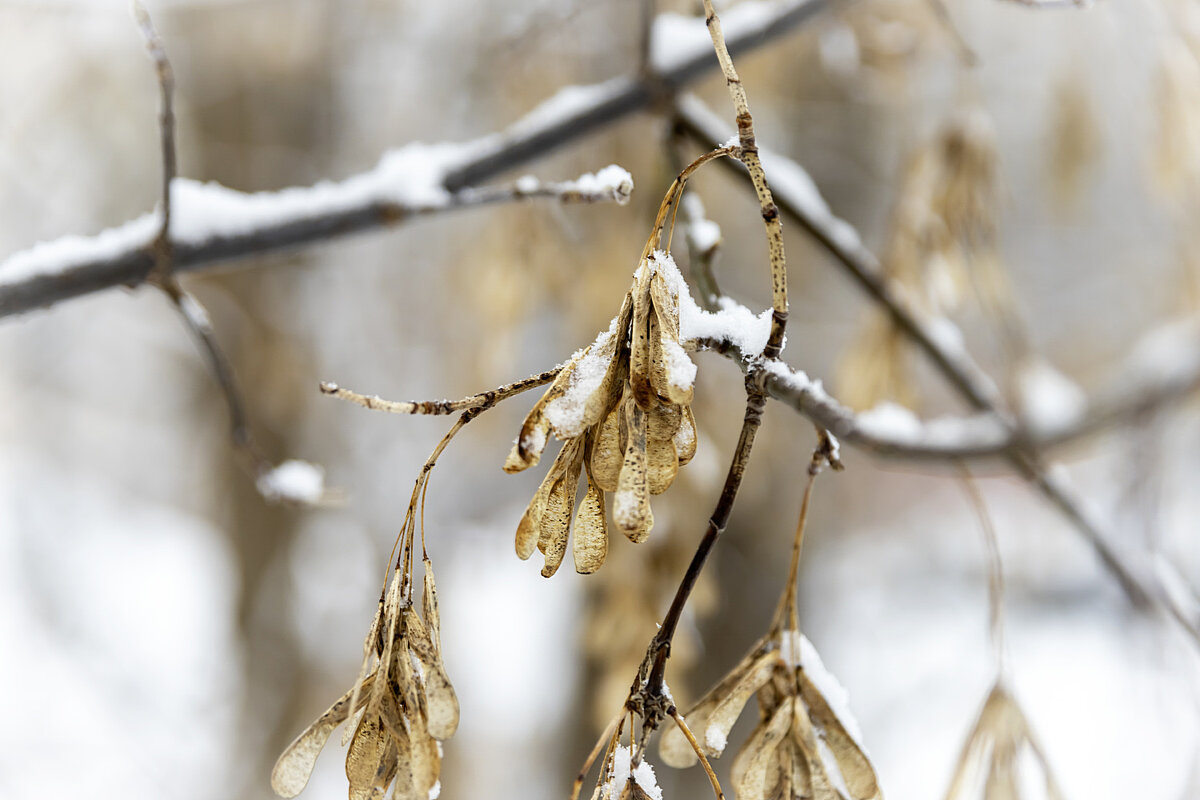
607,454
529,529
727,711
760,753
602,400
591,532
429,606
372,645
368,749
426,760
672,371
639,340
674,747
685,437
295,764
809,747
441,703
663,421
853,764
403,788
535,430
556,522
662,465
631,505
676,374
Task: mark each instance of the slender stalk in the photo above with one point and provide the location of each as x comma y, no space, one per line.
748,155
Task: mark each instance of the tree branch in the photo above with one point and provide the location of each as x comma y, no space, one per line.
258,224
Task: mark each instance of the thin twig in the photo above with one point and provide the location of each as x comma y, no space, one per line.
748,155
691,737
162,275
441,407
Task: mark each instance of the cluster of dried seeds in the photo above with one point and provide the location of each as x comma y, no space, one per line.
992,754
806,744
800,748
622,407
402,709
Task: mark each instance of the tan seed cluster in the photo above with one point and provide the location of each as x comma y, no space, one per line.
799,749
622,407
401,710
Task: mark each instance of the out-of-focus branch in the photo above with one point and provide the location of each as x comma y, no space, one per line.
293,481
895,432
798,197
214,224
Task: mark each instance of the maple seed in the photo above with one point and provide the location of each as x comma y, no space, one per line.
622,407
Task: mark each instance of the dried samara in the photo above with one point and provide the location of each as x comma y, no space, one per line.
622,407
401,710
993,756
807,745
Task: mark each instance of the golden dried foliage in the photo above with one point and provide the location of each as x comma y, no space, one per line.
622,407
1075,143
1175,157
942,241
802,747
401,707
991,757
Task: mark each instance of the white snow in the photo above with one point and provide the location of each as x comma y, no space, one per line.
1167,354
1048,400
623,770
830,688
890,421
702,233
566,102
293,481
734,323
611,181
676,39
56,257
789,181
410,177
714,738
681,370
789,648
435,791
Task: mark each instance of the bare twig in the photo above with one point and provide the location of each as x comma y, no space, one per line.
748,155
437,407
190,310
130,263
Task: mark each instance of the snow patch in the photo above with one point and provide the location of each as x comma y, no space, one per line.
890,421
623,771
734,323
1048,399
830,688
293,481
715,739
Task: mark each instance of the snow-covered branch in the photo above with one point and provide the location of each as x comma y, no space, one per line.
214,224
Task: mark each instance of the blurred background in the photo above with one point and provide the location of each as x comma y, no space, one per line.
165,632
